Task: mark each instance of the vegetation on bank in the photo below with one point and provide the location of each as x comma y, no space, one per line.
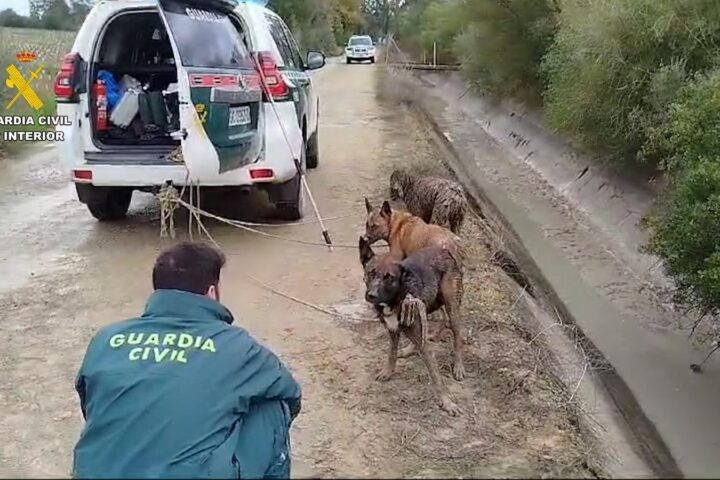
636,81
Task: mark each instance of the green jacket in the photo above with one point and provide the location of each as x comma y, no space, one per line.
166,395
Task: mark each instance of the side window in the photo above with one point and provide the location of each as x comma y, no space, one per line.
294,50
276,30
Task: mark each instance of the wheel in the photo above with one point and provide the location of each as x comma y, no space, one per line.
372,60
313,150
113,206
348,61
291,203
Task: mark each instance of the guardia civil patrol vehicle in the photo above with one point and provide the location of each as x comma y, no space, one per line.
360,48
208,92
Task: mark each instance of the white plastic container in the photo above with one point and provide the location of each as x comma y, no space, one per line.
127,82
126,109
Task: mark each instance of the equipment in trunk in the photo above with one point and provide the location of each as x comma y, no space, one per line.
136,68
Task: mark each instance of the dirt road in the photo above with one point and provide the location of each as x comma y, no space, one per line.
65,275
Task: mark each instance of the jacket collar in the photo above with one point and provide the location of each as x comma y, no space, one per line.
177,303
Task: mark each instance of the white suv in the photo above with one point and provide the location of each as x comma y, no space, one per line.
360,48
179,91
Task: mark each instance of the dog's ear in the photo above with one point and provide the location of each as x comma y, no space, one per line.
406,273
386,211
366,252
368,207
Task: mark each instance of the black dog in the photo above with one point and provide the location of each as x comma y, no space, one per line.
404,293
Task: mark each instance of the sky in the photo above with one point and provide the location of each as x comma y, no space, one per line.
20,6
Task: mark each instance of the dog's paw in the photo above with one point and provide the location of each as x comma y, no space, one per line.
384,375
450,407
459,371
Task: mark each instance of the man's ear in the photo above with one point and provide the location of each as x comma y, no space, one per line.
368,207
213,293
366,252
386,211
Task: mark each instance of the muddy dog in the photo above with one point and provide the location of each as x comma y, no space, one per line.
404,293
407,233
436,200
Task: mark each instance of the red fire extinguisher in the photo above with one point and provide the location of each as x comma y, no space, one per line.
101,123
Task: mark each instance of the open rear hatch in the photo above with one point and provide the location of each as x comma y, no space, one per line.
206,96
220,96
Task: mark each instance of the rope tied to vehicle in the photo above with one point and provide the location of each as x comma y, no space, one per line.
169,202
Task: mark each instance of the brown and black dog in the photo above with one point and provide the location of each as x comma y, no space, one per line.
406,233
404,293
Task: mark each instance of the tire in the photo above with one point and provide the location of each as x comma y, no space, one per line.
293,210
313,150
113,207
348,61
372,60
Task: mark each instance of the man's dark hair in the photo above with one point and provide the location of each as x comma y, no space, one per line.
190,267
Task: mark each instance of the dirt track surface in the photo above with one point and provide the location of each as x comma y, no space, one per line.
66,275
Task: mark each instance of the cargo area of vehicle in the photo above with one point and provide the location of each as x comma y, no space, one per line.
133,86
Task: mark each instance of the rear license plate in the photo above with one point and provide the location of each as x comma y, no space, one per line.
239,116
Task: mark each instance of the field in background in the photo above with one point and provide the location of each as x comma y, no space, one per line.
50,46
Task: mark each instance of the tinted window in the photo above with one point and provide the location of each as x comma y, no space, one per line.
360,41
205,38
283,45
294,50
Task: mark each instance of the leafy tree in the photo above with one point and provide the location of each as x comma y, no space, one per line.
609,60
39,7
321,24
10,18
57,16
79,10
686,236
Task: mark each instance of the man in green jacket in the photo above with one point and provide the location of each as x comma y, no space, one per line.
181,393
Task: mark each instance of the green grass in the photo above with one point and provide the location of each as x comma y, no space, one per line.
50,47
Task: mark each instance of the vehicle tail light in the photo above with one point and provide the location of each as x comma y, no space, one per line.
274,82
66,78
82,176
262,174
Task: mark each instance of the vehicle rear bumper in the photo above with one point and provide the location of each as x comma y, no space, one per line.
148,176
151,167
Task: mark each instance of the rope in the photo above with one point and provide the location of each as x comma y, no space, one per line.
168,197
292,224
196,213
304,185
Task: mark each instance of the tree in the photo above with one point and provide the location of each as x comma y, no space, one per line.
380,15
10,18
321,24
39,7
80,10
57,16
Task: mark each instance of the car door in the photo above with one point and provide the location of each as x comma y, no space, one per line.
305,82
292,67
219,88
